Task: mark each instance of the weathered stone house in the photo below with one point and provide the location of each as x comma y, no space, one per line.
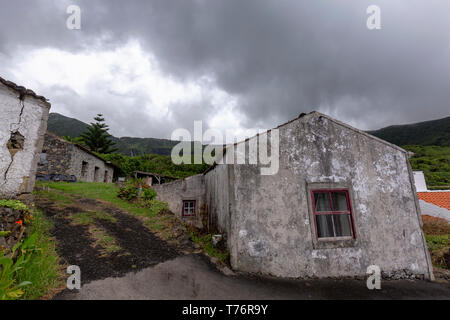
62,160
342,200
23,119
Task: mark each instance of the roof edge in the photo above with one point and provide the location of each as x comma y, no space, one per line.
24,91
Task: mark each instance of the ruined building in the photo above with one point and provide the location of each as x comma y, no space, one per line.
341,200
62,160
23,119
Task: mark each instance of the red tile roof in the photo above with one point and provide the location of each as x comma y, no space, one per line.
440,199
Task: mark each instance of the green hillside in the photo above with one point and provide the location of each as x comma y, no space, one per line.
65,126
434,161
427,133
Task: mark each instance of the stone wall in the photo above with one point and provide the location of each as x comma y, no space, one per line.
58,154
23,120
191,188
64,158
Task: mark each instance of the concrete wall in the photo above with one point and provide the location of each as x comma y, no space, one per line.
272,229
191,188
217,201
419,181
66,158
27,116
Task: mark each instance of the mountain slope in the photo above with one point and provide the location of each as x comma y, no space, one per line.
65,126
427,133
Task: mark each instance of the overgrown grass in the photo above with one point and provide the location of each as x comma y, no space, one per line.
61,199
37,262
437,235
205,242
104,191
149,210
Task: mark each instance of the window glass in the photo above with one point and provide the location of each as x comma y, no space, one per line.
342,225
339,201
332,219
324,226
322,201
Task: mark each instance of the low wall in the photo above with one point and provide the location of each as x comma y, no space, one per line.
191,188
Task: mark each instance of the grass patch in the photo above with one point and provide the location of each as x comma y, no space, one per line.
205,242
107,242
93,190
59,198
36,265
149,210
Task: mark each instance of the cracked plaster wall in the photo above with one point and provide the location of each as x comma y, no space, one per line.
271,228
28,116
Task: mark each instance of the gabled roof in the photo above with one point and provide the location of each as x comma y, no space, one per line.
314,113
23,91
438,198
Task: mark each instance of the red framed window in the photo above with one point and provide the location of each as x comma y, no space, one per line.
189,207
333,217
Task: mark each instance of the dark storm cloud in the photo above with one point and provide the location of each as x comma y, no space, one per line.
278,58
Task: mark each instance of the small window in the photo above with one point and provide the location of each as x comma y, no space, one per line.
43,159
188,208
332,214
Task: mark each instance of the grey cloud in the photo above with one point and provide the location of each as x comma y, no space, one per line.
279,58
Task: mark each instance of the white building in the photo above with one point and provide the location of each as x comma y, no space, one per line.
23,123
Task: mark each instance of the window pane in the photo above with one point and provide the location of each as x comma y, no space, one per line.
339,201
342,225
322,201
324,226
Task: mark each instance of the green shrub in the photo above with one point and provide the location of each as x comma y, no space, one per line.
130,191
148,194
32,269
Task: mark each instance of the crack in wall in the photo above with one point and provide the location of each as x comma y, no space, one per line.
15,141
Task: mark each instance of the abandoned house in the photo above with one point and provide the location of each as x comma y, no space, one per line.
62,160
23,118
341,200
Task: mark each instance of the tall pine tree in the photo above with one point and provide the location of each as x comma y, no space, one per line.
96,138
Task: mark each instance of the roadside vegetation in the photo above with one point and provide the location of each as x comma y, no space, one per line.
155,163
434,161
31,269
437,234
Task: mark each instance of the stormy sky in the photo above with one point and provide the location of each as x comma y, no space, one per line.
153,66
